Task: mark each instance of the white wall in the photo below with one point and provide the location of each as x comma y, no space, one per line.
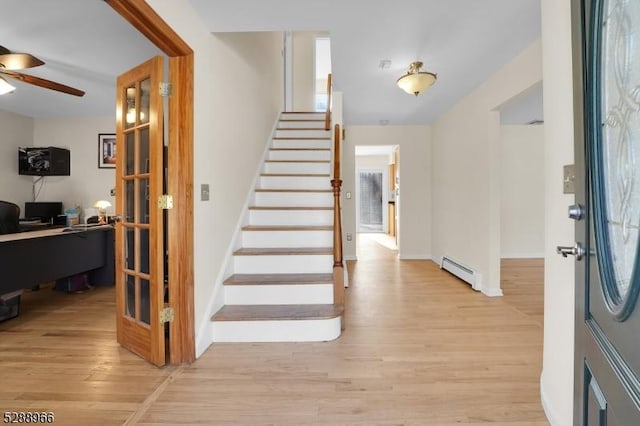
466,170
17,131
522,191
239,81
304,74
556,382
414,203
87,182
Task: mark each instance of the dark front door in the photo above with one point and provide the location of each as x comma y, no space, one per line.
607,362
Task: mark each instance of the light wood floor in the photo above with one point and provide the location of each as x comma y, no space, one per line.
419,348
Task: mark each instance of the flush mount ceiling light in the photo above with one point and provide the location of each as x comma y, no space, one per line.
415,81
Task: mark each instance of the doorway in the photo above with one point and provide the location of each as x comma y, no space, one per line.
375,196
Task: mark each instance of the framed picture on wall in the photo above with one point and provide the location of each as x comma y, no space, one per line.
107,150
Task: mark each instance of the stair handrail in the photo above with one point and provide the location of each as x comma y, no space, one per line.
327,116
336,183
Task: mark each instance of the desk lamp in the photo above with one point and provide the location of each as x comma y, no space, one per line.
102,206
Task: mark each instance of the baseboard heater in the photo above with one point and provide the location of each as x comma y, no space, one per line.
461,271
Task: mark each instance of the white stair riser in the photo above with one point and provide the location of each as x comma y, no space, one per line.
291,217
302,168
295,155
295,182
294,199
282,239
302,143
302,294
294,264
277,331
302,133
303,116
298,124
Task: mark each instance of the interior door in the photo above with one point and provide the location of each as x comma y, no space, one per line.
139,233
607,363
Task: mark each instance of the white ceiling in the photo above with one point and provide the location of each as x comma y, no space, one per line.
83,43
86,45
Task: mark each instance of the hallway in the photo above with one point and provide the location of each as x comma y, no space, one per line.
419,348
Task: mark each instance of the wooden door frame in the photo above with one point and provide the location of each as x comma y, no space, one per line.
180,171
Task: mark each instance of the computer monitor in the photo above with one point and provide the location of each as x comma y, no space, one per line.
45,211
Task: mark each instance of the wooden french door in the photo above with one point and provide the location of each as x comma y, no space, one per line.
607,212
139,233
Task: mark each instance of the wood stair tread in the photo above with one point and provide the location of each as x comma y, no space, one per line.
324,138
277,312
288,208
319,120
287,228
283,251
295,174
297,161
294,190
299,149
266,279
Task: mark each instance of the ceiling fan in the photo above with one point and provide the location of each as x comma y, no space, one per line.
10,62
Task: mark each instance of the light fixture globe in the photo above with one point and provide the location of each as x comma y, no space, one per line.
5,87
415,81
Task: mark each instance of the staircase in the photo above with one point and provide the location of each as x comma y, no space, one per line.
282,286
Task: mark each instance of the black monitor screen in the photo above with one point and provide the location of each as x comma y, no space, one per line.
42,210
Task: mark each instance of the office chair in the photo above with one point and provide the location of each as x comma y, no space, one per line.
9,218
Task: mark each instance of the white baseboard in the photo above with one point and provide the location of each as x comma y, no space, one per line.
548,410
492,292
350,257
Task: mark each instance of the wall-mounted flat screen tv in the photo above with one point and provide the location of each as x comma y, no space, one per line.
49,161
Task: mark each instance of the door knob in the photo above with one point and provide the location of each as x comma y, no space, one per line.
577,250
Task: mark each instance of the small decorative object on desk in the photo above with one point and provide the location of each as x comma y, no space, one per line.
102,206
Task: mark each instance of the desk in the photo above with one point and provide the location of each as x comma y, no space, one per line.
31,258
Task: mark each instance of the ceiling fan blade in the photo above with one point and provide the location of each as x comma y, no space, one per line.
47,84
19,61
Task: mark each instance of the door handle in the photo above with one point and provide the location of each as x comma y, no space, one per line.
577,250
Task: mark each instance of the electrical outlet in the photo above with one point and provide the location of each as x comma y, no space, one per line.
348,195
349,237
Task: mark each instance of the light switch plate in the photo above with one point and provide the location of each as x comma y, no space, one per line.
348,195
204,192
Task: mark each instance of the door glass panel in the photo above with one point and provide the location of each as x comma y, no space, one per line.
130,249
130,107
370,201
143,152
145,303
131,296
145,86
144,251
617,170
129,207
129,154
143,201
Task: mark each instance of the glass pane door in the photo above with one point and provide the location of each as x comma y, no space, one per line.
139,241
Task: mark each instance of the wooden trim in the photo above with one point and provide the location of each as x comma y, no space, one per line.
150,24
180,171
